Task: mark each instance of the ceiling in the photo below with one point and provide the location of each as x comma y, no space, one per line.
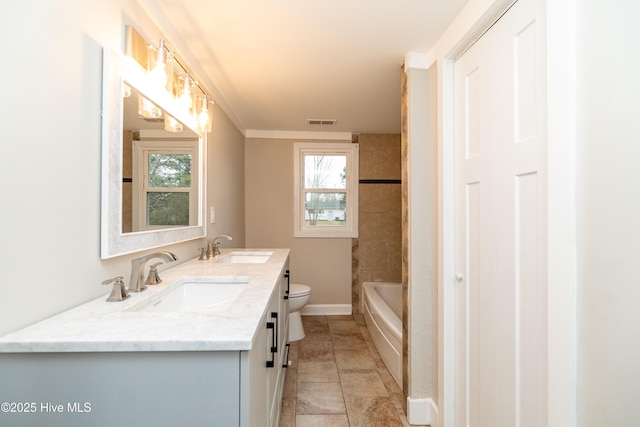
275,64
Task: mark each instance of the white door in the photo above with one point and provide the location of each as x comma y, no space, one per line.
500,205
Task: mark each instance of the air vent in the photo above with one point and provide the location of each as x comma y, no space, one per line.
321,121
152,119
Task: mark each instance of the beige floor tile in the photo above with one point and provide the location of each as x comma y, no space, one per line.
288,413
334,363
315,351
344,326
359,318
403,418
361,383
290,383
317,332
372,412
354,359
348,340
293,354
320,399
322,421
307,320
365,333
389,382
340,317
318,372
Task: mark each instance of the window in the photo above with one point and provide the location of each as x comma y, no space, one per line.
326,190
168,196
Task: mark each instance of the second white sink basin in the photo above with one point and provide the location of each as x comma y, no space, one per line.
214,295
243,257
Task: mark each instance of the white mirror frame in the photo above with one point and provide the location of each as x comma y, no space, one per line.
116,71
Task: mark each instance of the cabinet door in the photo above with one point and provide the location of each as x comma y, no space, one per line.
284,315
254,405
262,372
274,342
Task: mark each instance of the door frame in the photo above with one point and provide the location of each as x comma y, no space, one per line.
475,19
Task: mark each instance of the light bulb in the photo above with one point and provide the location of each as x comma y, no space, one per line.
172,125
185,99
147,108
158,76
203,115
156,66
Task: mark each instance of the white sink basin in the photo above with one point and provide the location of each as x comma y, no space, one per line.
211,296
240,257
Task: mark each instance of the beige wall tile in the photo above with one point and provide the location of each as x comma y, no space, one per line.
380,215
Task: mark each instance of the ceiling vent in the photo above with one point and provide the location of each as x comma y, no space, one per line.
321,121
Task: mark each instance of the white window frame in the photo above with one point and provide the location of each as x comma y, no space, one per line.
350,151
141,149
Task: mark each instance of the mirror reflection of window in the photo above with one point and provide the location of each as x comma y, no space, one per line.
167,196
160,179
167,190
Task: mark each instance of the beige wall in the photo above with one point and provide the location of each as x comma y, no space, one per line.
225,181
323,264
50,224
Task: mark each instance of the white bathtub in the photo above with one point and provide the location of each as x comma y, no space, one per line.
383,316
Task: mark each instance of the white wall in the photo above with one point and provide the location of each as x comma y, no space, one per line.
420,358
51,78
608,212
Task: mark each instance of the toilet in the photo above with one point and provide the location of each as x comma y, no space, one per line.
298,297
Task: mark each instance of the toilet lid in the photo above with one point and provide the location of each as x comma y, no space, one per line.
297,290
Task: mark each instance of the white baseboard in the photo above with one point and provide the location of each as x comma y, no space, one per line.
326,309
422,412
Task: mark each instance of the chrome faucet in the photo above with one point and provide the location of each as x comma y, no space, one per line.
216,245
136,284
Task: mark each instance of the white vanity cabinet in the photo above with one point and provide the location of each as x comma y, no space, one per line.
264,367
172,386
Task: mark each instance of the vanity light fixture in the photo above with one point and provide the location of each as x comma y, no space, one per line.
205,114
185,95
166,73
171,124
148,109
156,64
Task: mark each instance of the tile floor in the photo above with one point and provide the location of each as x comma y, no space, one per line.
337,378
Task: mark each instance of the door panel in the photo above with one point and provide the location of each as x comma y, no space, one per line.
500,225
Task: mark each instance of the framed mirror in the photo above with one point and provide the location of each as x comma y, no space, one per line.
152,179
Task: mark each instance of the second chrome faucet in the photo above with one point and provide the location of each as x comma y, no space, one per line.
213,246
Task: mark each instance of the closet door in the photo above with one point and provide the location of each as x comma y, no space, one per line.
500,333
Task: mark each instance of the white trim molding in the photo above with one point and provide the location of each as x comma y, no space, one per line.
326,310
298,135
422,412
416,61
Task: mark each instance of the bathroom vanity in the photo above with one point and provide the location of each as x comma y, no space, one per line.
167,356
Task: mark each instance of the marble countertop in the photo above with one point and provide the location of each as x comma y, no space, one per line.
101,326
